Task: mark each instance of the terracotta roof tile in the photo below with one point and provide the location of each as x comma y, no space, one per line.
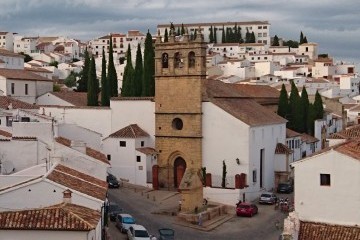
60,217
79,181
350,148
308,138
5,101
321,231
20,74
74,98
132,98
37,69
216,24
131,131
290,133
352,132
147,150
282,149
89,151
5,134
5,52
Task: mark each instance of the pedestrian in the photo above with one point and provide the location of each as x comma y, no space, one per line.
180,205
200,219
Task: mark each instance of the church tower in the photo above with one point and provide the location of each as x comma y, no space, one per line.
180,73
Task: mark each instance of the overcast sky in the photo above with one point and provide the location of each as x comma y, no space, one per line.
333,24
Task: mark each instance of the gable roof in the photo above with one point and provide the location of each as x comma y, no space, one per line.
89,151
74,98
308,138
78,181
60,217
322,231
21,74
131,131
5,134
291,133
352,132
4,52
146,150
282,149
5,101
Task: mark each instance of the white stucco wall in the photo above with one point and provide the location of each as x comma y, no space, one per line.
224,196
41,130
36,235
335,204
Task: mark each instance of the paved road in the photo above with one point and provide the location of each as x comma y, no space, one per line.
260,227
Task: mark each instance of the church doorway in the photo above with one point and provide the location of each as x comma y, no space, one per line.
179,170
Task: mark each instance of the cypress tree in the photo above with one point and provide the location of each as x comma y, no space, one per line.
305,40
215,35
83,82
178,31
211,35
182,29
294,102
252,38
138,75
301,38
223,37
305,104
105,97
227,35
276,41
148,87
112,76
318,106
195,34
247,36
93,85
166,35
283,106
127,87
172,28
240,40
310,120
223,178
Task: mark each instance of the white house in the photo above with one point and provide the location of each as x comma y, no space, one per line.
63,98
293,142
7,41
309,145
23,85
309,49
325,183
11,60
25,44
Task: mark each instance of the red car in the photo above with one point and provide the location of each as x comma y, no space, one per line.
246,209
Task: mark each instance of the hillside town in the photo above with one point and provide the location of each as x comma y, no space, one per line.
235,113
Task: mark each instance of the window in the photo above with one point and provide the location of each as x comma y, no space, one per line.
254,175
142,143
138,158
109,157
264,34
177,124
325,179
122,143
259,34
191,59
165,60
177,60
12,88
259,27
26,89
264,27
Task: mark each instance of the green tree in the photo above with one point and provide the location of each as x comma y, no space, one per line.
112,75
203,173
247,36
166,35
56,87
178,31
148,86
27,57
275,41
223,37
305,104
70,81
54,64
310,120
318,106
301,37
105,91
283,106
291,43
211,35
224,172
172,28
128,77
182,29
305,40
83,82
195,34
215,35
93,85
139,71
252,38
296,112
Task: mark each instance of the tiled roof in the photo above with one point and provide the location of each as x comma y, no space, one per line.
257,91
5,52
20,74
5,134
355,108
37,69
89,151
131,131
350,148
290,133
74,98
308,138
215,24
78,181
352,132
16,104
131,98
147,150
282,149
321,231
60,217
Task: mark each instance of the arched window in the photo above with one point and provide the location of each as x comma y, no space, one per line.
165,60
191,60
178,60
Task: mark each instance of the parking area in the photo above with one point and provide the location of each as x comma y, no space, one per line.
143,204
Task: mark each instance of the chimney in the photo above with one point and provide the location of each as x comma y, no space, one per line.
67,196
78,146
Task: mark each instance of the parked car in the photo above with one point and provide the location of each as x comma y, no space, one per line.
113,211
166,234
124,222
285,188
138,232
112,181
246,209
267,198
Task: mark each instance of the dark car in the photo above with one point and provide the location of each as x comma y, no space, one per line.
246,209
166,234
114,210
112,181
284,188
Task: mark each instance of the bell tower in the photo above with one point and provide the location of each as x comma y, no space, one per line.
180,74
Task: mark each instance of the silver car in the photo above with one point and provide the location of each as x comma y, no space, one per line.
267,198
124,222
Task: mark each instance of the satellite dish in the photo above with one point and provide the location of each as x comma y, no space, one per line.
7,167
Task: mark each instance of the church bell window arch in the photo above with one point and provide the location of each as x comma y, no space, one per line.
165,60
191,59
